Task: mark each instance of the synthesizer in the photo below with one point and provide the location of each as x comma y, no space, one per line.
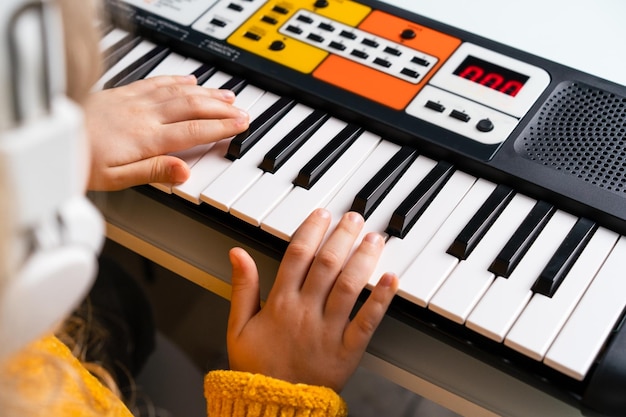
496,176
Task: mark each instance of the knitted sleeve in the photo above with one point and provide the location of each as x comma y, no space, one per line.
242,394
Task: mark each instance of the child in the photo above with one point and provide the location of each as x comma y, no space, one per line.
290,357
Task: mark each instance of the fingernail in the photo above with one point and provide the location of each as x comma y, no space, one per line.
387,280
354,217
227,95
179,174
373,238
243,115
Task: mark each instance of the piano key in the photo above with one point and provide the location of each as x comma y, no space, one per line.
379,218
542,319
138,69
244,170
342,201
136,53
524,236
197,182
175,64
574,243
212,163
433,264
577,345
471,234
271,188
114,47
498,309
370,196
114,39
217,80
405,216
327,156
286,147
505,299
203,73
398,251
235,84
243,142
300,202
464,287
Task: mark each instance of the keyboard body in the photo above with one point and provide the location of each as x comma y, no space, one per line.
497,115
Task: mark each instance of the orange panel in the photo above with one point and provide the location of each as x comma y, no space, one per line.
367,82
375,85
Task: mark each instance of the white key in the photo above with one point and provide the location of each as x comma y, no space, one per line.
433,265
498,309
244,100
460,292
270,189
243,172
543,317
111,38
137,52
175,64
577,345
218,79
212,163
399,253
342,201
299,203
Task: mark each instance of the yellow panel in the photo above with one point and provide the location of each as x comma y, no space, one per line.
260,35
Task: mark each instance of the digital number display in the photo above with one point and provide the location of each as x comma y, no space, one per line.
491,75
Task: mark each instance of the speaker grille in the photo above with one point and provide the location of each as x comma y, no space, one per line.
580,130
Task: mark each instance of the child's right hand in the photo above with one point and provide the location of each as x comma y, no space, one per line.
303,334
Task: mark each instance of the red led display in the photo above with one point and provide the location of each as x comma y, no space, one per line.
491,75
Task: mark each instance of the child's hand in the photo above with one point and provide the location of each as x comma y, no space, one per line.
303,334
132,128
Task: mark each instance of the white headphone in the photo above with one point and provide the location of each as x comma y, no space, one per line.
56,233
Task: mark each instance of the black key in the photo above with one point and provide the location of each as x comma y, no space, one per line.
241,143
117,51
287,146
561,262
480,223
372,193
410,210
138,69
203,73
235,84
327,156
522,239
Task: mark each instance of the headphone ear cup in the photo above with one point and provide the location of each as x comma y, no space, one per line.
49,286
53,280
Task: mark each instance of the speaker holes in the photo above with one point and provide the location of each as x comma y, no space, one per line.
580,130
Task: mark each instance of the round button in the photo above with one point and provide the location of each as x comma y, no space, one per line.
484,125
407,34
277,46
321,3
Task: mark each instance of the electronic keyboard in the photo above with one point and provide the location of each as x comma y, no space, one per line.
497,177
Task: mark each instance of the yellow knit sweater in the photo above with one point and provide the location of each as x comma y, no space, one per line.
57,384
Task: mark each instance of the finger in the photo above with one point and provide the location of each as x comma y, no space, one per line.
354,277
154,83
158,169
191,106
361,329
183,135
245,297
301,251
173,91
332,255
